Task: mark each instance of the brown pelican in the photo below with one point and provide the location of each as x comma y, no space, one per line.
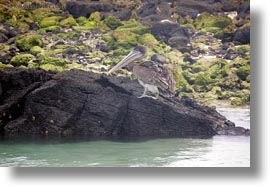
153,76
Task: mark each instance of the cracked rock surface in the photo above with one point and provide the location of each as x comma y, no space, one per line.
76,102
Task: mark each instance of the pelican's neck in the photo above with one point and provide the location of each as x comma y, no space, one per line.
131,66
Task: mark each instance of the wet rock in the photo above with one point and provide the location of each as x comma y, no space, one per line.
242,36
233,131
83,103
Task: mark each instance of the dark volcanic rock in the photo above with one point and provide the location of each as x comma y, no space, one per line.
15,85
79,8
83,103
172,34
242,36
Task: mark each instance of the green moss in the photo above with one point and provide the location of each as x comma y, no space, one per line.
54,61
5,65
49,29
134,26
49,21
69,35
236,101
68,22
95,17
203,82
242,48
221,26
51,67
181,83
21,59
112,22
230,82
82,28
36,50
207,20
243,72
83,21
126,40
75,66
27,41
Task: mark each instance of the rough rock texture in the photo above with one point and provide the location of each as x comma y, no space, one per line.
172,34
84,103
79,8
242,36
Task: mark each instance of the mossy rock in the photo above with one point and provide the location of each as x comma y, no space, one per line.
36,50
181,83
242,48
236,101
126,40
95,17
134,26
21,59
51,67
49,21
27,41
112,22
5,65
203,82
207,20
83,21
82,28
49,29
221,26
68,22
243,72
69,35
52,60
230,82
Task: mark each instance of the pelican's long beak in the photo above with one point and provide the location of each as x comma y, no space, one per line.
132,56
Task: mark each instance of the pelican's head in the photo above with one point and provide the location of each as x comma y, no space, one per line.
138,53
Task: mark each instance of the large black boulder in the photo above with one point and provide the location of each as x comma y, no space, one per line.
172,34
96,105
242,36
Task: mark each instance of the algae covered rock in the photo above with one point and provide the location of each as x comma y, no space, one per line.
27,41
49,21
112,22
22,59
68,22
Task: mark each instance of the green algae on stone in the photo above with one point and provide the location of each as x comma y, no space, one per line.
68,22
95,17
49,21
181,83
27,41
243,72
83,21
49,29
51,67
36,50
112,22
22,59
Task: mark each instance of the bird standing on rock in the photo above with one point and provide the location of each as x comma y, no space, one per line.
152,75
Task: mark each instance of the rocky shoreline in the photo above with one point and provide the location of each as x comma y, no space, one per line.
77,102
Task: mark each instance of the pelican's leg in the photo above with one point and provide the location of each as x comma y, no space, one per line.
144,93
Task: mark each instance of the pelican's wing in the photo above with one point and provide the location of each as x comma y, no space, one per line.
155,74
